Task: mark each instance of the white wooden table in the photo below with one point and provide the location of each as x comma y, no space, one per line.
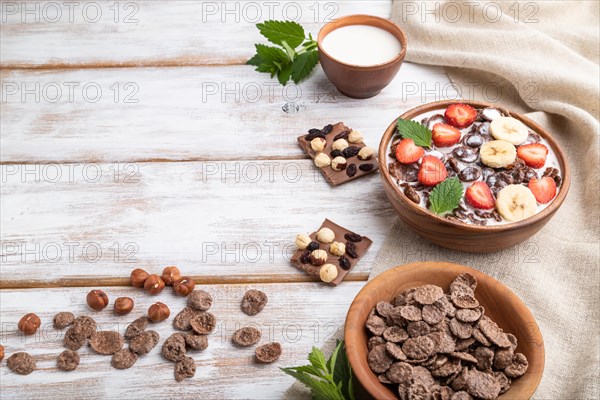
142,140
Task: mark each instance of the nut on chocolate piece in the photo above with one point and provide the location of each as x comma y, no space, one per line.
340,145
339,164
328,273
355,137
318,257
302,241
318,144
325,235
366,153
337,249
322,160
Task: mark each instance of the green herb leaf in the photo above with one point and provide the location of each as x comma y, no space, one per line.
279,31
446,196
256,60
303,65
342,373
317,359
269,54
420,134
285,73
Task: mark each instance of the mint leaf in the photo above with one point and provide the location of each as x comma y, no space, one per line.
285,73
317,359
342,373
279,31
256,60
303,65
420,134
321,390
269,54
446,196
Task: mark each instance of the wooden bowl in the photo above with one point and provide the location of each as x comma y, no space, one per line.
500,304
358,81
457,235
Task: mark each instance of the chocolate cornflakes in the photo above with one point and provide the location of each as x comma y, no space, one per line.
68,360
268,353
203,323
123,359
185,368
144,342
106,342
253,302
246,336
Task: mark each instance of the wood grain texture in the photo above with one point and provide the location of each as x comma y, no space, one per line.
152,33
175,114
223,371
223,222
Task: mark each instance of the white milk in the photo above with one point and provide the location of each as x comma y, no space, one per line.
361,45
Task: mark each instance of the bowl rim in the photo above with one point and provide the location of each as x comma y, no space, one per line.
341,22
546,212
352,319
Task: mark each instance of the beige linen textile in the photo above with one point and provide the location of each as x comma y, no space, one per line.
548,69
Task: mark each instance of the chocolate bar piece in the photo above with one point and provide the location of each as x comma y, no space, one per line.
354,167
356,247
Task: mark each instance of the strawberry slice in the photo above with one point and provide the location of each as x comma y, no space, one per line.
533,154
432,171
480,196
445,135
460,115
543,189
408,152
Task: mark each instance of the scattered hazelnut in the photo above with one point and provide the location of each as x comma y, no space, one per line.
1,352
154,284
318,144
158,312
366,153
184,286
170,275
302,241
123,305
328,273
138,277
322,160
337,249
97,300
338,164
29,324
325,235
340,144
318,257
355,137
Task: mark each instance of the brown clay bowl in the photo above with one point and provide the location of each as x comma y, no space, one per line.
456,235
500,304
355,81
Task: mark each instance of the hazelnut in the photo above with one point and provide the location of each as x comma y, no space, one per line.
355,137
337,249
29,324
170,275
322,160
318,257
302,241
328,273
138,277
338,164
123,305
184,286
325,235
366,153
154,284
97,300
318,144
158,312
1,352
340,144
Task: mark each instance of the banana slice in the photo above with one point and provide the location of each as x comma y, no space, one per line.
498,153
510,129
515,203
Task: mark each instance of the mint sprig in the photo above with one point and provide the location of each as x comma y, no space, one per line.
286,61
327,380
446,196
409,129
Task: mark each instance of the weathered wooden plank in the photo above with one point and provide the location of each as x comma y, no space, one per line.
221,221
299,316
150,33
208,113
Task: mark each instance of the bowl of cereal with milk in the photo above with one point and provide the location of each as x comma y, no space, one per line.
471,176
